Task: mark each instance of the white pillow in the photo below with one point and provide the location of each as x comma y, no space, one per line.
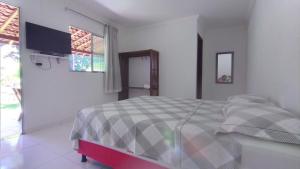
249,99
230,107
263,121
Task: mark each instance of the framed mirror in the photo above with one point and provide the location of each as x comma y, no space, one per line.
224,68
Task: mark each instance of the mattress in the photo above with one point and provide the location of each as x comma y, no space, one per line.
175,132
262,154
179,133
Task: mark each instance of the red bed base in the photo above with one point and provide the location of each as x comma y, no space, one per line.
113,158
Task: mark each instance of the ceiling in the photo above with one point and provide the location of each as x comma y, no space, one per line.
144,12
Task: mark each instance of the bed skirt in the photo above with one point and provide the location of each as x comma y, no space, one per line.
114,158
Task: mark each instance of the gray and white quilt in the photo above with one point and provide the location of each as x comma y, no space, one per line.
180,133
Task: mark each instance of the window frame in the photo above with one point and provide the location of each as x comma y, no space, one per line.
92,53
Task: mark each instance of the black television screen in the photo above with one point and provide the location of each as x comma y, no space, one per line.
47,40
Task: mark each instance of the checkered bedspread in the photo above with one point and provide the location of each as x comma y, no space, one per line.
176,132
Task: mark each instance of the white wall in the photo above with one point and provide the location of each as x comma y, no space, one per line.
176,42
274,49
224,40
201,26
54,96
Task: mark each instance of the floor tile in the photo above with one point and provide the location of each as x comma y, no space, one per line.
15,144
60,163
28,158
45,149
75,158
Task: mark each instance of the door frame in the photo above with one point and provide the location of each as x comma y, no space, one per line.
199,68
17,5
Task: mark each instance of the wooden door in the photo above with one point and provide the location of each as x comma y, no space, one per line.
154,75
124,67
199,67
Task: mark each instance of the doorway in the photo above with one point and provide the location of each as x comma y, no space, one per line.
199,66
10,85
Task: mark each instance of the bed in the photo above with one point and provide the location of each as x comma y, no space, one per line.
158,133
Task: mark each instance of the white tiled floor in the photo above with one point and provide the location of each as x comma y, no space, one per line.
45,149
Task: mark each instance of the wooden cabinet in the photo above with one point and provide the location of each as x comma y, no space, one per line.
154,71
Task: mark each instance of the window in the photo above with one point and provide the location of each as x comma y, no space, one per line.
87,51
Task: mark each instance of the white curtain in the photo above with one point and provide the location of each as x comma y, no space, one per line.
112,82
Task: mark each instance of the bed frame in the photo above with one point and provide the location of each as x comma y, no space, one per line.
113,158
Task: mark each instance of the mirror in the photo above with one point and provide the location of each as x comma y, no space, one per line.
224,68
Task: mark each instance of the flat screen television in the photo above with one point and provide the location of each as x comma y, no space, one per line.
47,40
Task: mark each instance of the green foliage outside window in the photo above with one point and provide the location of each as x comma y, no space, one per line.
98,63
80,63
